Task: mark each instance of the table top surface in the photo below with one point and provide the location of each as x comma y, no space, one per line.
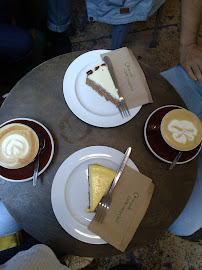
39,96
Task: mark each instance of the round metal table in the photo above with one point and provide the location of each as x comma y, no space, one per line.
39,95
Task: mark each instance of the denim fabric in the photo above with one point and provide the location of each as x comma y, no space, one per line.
108,11
15,43
190,91
119,33
5,11
190,220
7,223
59,15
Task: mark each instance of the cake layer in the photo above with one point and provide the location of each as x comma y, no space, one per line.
101,91
100,178
101,81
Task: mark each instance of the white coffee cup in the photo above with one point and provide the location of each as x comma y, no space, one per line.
19,145
181,129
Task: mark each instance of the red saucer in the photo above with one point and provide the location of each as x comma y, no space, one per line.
46,155
156,143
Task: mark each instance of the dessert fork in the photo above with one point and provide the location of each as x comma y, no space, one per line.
105,202
123,108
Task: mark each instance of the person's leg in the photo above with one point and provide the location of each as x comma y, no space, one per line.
7,224
59,15
119,33
190,91
58,22
5,11
15,43
190,220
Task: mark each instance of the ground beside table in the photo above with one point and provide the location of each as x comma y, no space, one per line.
39,95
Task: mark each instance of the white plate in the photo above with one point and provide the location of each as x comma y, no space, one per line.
69,193
83,101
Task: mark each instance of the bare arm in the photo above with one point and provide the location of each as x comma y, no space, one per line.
190,51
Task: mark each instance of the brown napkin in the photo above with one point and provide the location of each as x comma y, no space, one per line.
130,200
130,77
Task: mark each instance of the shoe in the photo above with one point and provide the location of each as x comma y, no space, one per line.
71,31
76,262
126,267
59,43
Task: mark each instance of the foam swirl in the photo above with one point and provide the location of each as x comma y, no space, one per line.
15,145
182,131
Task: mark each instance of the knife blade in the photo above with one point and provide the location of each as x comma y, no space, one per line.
107,60
120,169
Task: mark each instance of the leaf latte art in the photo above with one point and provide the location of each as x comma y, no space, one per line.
18,146
15,145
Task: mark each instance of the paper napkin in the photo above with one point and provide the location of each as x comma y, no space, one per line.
130,77
130,200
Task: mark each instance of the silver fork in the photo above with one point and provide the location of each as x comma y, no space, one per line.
123,108
105,202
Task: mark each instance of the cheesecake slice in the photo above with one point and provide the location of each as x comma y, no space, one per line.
99,178
101,81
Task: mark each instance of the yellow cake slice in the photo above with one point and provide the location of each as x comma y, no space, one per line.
99,178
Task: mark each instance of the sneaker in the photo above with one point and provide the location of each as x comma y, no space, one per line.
71,31
126,267
76,262
59,43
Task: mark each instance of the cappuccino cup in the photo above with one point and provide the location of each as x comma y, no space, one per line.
181,129
19,145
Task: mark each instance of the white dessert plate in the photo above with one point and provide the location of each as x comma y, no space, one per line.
69,193
26,173
83,101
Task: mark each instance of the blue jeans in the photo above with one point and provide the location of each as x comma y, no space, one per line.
7,223
59,15
119,33
190,220
15,43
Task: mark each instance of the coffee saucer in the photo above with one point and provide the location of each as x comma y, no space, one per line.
26,173
156,143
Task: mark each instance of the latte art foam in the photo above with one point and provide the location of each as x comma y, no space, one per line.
18,146
181,129
15,145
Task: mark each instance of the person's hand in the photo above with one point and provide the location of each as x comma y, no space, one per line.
191,61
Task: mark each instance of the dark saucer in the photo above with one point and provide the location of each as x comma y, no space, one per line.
46,155
156,143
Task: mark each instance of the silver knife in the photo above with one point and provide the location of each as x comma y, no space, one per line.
120,169
107,60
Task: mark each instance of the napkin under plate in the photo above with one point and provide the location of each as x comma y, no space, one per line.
130,200
130,77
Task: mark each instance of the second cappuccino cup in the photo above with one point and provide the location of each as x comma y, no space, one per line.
180,129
